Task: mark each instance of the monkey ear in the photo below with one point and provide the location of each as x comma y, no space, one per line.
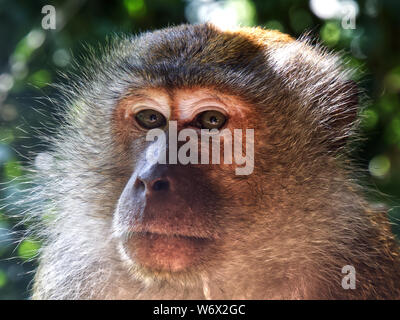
343,110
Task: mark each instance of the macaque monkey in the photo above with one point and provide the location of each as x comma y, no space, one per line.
117,223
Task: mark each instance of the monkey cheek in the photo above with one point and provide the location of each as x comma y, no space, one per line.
166,253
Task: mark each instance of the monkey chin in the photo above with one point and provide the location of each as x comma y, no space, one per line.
168,257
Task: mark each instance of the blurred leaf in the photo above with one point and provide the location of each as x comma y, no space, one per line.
6,135
370,119
392,131
300,20
28,249
3,278
274,25
12,169
40,78
392,80
330,33
135,7
357,66
388,103
23,51
245,10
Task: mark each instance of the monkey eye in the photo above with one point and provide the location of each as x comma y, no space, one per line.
150,119
211,119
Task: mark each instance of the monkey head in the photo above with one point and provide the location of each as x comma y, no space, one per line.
173,207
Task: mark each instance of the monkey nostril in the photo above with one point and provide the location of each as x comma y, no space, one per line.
139,184
160,185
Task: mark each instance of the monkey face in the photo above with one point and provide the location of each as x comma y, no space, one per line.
169,216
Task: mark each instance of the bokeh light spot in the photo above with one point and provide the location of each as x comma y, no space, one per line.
35,38
224,14
61,57
8,112
379,166
6,82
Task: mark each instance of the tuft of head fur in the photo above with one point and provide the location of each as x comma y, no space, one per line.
321,221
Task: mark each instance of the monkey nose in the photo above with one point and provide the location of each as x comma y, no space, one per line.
151,186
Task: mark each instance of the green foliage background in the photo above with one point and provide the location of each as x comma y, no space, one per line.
30,57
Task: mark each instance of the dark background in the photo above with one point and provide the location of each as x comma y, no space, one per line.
31,56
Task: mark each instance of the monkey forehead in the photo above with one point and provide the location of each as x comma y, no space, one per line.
183,103
202,55
188,102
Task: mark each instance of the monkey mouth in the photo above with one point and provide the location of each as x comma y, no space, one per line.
167,252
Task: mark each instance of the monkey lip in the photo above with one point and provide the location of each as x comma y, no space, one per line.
164,252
